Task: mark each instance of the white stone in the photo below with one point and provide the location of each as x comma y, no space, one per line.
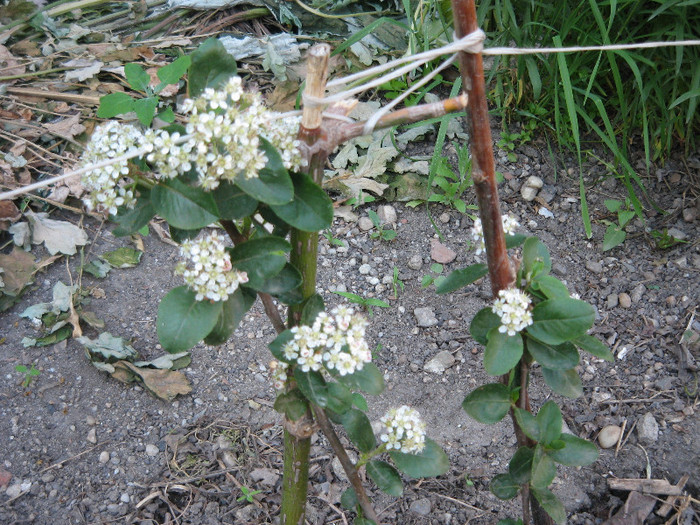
648,429
104,457
425,317
387,214
609,436
151,450
365,224
440,363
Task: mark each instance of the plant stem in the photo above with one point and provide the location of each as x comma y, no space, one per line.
295,479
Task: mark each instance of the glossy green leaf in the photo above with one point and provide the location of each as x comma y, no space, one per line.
130,220
273,185
488,404
502,353
544,470
550,286
549,421
535,257
562,357
594,346
97,268
564,382
484,321
184,206
369,380
287,279
292,404
520,466
311,209
123,257
461,278
312,385
277,345
232,202
145,109
261,259
179,236
577,452
173,72
183,321
504,487
211,67
359,401
232,313
550,503
313,306
556,321
359,430
339,398
527,423
115,104
137,78
515,240
432,461
386,477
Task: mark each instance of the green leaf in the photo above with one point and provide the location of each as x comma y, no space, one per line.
594,346
386,478
460,278
232,202
520,466
145,109
179,236
484,321
287,279
510,521
504,487
123,257
432,461
488,403
614,236
550,286
211,67
502,353
184,321
98,268
527,423
173,72
313,306
577,452
137,78
536,257
130,220
167,115
369,379
564,382
292,404
115,104
349,499
273,185
556,321
549,421
359,430
278,343
312,385
562,357
232,313
515,240
261,259
311,210
339,398
183,206
550,503
359,401
543,469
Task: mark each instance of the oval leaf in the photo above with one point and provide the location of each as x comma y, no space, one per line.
520,466
594,346
261,259
359,430
292,404
432,461
182,321
211,66
386,478
561,357
287,279
551,504
369,379
232,202
273,185
504,487
483,322
278,343
232,313
313,306
503,352
549,421
131,220
527,423
577,452
488,403
311,209
556,321
461,278
544,470
183,206
536,258
339,398
550,286
564,382
312,385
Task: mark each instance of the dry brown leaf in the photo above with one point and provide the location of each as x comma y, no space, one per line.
19,267
66,127
10,65
9,213
284,96
163,383
26,47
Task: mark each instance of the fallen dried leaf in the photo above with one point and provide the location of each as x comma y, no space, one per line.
59,236
165,384
67,127
11,66
19,268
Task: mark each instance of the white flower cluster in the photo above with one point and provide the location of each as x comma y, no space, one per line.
207,268
509,226
109,140
336,341
404,430
278,371
512,306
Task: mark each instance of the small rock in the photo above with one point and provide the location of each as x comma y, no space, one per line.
5,477
528,194
531,187
265,476
338,467
612,300
690,214
609,436
229,458
648,429
13,490
421,507
441,253
415,262
364,269
625,300
125,498
151,450
677,234
91,421
92,436
440,362
365,224
104,457
445,218
594,266
387,214
425,317
637,293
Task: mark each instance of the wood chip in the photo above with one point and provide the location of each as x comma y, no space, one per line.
646,486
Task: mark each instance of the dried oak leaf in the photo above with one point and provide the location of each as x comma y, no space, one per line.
165,384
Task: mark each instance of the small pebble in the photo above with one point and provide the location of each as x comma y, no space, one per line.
151,450
625,300
445,218
365,269
609,436
612,300
387,214
104,457
365,224
594,266
92,436
415,262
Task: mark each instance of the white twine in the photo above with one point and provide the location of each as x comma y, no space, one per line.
471,43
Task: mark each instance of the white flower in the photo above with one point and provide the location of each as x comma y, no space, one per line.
207,268
403,430
509,226
512,306
278,371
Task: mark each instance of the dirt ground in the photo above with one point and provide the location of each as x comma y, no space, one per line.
79,447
